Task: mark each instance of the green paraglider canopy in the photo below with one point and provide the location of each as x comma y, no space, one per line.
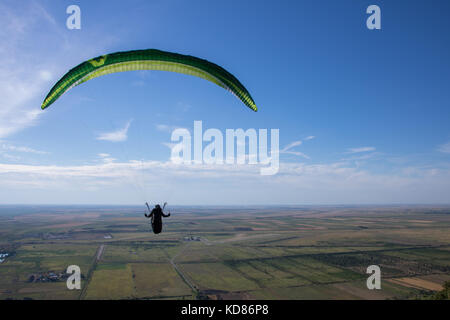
150,59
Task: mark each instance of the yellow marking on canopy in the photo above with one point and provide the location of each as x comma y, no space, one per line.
98,63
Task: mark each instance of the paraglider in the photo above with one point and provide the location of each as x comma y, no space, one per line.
150,59
156,215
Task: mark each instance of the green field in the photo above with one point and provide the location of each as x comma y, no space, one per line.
234,253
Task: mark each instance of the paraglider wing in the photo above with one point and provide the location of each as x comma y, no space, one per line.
150,59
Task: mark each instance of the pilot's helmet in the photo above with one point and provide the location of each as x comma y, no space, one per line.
158,206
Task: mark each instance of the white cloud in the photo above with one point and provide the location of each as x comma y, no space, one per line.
287,149
292,145
10,157
309,138
363,156
163,127
166,128
116,136
22,76
170,145
361,149
9,147
103,155
106,157
27,34
295,183
445,148
297,153
45,75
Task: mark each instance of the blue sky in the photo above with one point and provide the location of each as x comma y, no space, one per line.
367,111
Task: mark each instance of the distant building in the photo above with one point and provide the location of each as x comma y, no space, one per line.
108,236
192,238
50,276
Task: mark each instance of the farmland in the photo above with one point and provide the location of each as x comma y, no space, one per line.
225,252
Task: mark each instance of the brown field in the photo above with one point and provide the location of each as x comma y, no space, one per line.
418,283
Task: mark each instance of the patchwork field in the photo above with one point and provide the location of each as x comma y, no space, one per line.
224,253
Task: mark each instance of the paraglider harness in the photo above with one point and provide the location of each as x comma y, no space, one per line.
156,217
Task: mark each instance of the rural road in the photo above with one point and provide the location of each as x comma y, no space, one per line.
100,252
97,257
182,275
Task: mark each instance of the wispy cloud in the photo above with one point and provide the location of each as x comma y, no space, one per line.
361,156
106,157
169,145
292,145
309,138
22,77
444,148
103,155
340,182
13,148
26,76
166,128
287,149
11,157
360,150
163,127
116,136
